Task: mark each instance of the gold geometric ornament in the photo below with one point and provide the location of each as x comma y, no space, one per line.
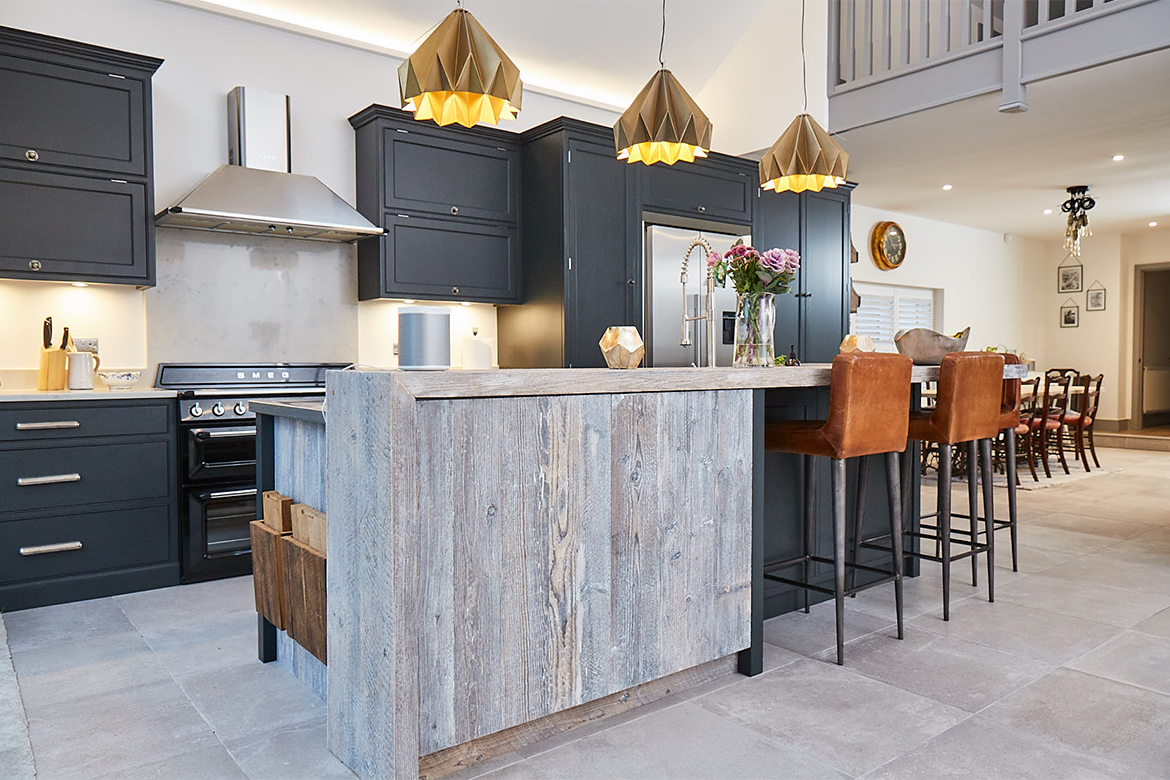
663,124
459,74
805,157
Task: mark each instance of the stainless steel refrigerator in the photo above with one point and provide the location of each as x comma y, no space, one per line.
663,319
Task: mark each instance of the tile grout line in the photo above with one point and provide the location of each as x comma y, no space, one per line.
7,659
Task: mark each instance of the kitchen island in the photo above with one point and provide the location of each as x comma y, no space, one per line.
507,545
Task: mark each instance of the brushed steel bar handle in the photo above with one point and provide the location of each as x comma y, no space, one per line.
43,549
231,493
54,479
54,425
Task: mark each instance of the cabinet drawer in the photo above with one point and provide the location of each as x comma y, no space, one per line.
702,189
447,260
70,227
70,117
69,421
441,175
79,543
45,478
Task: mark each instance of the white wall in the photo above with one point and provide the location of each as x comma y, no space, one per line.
986,278
255,298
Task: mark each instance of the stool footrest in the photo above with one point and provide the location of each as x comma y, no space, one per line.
830,591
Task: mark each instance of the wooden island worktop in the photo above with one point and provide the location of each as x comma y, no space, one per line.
506,545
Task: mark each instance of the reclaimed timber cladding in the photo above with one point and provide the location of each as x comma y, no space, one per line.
498,560
303,576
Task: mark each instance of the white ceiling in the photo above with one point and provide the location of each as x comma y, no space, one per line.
1006,169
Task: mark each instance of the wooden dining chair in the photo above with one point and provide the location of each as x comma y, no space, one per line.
1057,391
1081,422
1032,418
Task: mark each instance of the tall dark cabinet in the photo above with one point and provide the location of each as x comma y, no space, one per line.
76,161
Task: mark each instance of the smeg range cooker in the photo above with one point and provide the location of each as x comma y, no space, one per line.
217,454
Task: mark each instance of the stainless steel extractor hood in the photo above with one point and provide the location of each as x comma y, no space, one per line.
256,193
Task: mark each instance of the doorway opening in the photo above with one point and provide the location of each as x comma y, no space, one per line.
1151,343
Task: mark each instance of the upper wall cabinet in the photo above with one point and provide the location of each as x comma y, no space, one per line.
450,201
76,173
717,188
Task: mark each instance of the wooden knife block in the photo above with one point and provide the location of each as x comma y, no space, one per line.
52,373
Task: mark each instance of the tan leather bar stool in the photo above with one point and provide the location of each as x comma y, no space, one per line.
869,406
1009,420
970,388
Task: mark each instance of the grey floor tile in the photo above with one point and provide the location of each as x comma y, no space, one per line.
1030,560
112,732
1118,571
67,672
776,656
979,748
188,603
16,764
952,671
679,743
808,634
1099,603
64,623
289,753
241,702
1034,633
1158,625
1034,534
521,770
1139,508
492,766
1132,657
210,763
1109,719
847,720
1096,526
205,645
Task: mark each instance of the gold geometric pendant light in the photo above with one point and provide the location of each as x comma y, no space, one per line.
459,74
805,157
663,124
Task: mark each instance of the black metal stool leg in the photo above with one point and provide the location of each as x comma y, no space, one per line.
858,516
944,522
1010,438
838,478
989,514
893,488
810,504
973,503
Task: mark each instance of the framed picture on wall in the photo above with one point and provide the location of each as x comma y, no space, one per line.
1068,278
1095,299
1070,316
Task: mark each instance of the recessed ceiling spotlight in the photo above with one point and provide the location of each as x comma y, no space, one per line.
1153,224
1047,211
408,300
79,284
464,303
1118,157
947,187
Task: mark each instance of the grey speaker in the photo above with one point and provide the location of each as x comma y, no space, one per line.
424,338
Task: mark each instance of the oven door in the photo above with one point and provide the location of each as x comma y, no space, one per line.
217,539
221,453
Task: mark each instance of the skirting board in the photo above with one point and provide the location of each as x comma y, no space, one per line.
477,751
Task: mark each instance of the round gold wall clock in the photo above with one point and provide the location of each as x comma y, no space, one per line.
887,244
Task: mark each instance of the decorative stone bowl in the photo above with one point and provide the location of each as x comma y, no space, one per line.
623,347
927,347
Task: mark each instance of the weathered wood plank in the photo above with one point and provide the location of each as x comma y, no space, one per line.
473,753
308,526
266,576
303,577
300,460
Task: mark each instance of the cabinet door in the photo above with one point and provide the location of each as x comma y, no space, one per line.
443,175
71,118
778,226
448,260
703,189
58,227
825,276
602,285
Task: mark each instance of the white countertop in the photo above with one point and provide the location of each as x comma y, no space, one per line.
25,394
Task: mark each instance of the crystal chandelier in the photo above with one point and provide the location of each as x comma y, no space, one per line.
1077,207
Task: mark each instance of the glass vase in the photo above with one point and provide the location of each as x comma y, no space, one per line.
755,325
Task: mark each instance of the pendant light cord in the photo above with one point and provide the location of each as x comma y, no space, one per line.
803,60
662,40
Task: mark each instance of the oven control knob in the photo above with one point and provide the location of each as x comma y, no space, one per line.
217,410
241,409
196,410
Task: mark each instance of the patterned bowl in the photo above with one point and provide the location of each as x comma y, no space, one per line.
120,380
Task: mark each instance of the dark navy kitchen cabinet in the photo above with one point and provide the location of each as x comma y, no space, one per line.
449,198
89,504
76,170
718,187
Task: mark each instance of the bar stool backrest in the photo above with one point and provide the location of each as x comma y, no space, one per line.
970,387
1012,390
869,404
